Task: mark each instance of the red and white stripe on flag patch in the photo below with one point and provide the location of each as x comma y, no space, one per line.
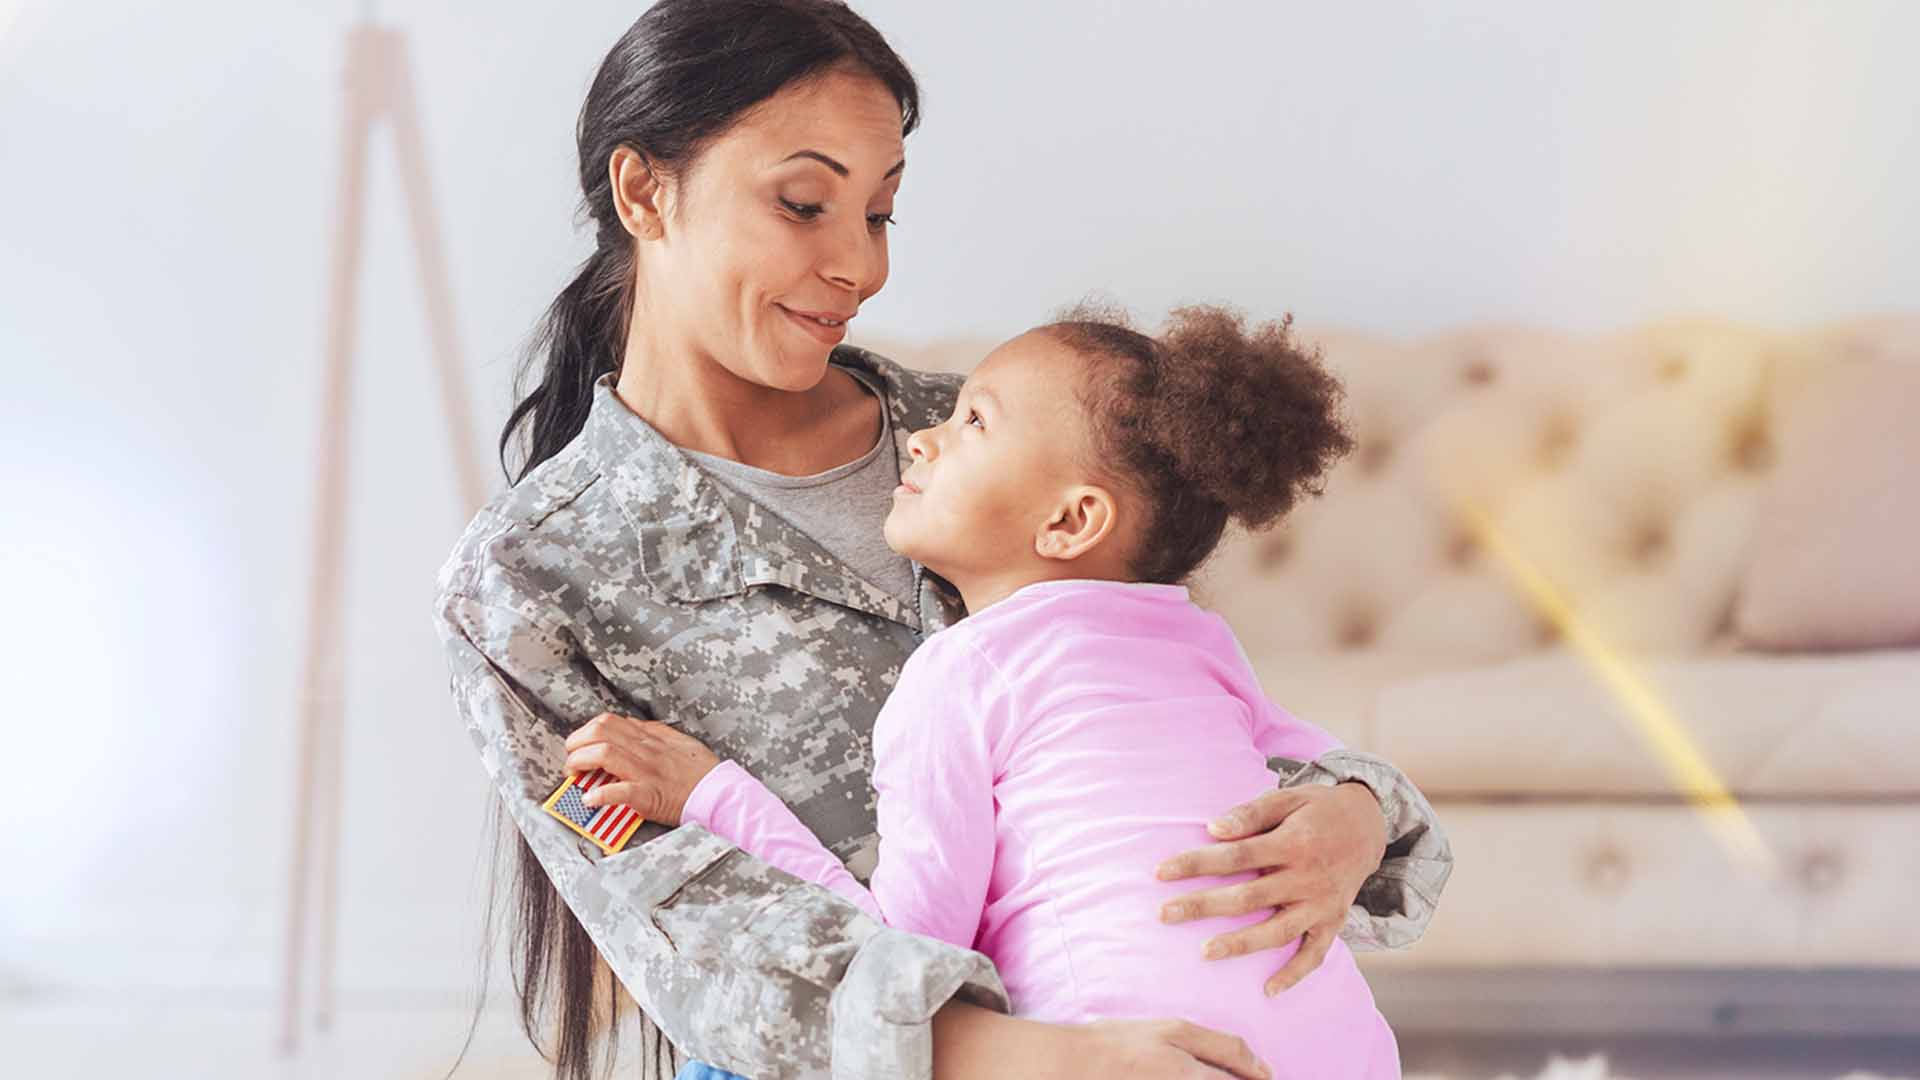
607,826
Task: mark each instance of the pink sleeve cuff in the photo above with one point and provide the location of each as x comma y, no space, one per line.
710,795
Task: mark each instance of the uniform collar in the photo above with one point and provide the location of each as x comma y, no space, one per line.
699,540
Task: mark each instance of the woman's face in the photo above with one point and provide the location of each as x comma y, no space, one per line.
777,233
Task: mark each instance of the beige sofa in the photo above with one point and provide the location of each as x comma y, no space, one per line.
1525,589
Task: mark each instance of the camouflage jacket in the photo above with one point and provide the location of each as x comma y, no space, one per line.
618,577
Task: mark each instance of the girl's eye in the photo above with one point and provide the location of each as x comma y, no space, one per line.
803,211
876,222
972,416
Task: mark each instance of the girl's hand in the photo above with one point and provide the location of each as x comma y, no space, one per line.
1315,845
656,766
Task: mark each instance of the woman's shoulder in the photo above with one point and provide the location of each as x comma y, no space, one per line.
923,398
544,517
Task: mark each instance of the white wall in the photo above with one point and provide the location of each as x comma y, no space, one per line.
166,178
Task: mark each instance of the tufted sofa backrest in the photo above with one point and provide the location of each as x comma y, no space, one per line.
1505,473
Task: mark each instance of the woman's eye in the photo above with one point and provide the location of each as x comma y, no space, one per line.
803,211
876,222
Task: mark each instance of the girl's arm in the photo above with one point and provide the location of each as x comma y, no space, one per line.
734,806
933,773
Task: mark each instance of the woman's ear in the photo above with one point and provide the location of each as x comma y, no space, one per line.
636,194
1086,516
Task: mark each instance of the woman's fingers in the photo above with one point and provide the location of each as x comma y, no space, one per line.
1229,1053
598,729
1290,885
1271,933
1225,900
1313,949
1271,889
1217,860
1260,815
624,760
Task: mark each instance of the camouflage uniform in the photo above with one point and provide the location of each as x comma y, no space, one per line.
618,577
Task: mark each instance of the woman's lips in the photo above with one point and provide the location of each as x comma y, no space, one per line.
825,326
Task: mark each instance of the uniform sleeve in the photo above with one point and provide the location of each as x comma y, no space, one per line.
742,965
1397,902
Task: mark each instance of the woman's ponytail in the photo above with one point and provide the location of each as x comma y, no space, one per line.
582,336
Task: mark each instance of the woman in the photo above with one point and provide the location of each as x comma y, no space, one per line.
695,537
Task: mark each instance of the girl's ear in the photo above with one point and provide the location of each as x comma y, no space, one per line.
1086,516
636,194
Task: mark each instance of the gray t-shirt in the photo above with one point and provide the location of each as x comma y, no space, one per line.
843,508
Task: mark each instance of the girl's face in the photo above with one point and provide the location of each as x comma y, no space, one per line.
777,234
985,485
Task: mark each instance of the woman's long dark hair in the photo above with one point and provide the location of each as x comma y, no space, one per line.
680,76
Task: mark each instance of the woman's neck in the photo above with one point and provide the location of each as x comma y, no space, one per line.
697,404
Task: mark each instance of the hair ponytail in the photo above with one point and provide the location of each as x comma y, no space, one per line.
581,336
1212,421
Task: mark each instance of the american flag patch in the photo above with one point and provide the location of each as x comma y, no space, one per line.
607,826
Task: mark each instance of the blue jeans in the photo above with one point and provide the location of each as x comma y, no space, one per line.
699,1070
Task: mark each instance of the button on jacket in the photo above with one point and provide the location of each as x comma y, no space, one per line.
618,577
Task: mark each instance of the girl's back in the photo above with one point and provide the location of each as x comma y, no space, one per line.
1114,720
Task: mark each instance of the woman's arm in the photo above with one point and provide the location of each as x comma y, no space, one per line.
741,964
1359,851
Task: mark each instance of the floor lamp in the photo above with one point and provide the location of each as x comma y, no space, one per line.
378,87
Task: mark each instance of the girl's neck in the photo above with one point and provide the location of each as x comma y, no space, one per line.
980,592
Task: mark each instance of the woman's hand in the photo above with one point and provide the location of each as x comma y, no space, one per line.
1315,847
973,1043
1166,1048
655,766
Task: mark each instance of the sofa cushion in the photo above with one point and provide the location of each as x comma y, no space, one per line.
1804,726
1834,563
1616,885
1336,691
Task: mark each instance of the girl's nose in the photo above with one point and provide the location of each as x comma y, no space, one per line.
920,444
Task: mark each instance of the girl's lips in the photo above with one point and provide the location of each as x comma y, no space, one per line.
906,489
816,324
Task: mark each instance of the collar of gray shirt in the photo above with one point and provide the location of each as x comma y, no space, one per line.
700,540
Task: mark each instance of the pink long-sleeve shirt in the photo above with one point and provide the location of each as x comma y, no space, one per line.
1035,763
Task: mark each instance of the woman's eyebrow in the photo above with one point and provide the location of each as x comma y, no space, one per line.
839,169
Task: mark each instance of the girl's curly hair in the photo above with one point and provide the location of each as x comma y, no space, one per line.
1206,423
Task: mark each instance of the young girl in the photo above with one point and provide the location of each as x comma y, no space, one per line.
1038,758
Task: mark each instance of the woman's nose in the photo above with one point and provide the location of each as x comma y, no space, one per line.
851,262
